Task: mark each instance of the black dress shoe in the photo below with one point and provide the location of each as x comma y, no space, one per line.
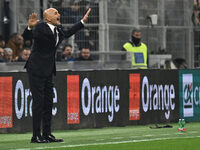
51,138
38,139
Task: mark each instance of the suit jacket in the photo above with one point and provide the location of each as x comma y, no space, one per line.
42,59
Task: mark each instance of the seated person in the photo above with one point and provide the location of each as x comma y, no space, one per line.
1,55
2,42
16,42
24,55
8,54
84,55
67,53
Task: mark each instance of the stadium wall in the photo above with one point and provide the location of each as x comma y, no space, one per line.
101,98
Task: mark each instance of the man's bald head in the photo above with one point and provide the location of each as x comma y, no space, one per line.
48,11
52,16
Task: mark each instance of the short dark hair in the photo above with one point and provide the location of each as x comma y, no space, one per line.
26,48
84,47
67,45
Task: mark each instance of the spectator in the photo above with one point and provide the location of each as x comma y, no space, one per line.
2,42
1,55
16,42
84,55
67,53
8,54
71,14
24,55
196,16
138,50
197,3
85,38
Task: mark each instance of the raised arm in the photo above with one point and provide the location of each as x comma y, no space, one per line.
85,18
32,21
78,25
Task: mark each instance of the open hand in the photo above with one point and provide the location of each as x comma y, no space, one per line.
32,21
85,18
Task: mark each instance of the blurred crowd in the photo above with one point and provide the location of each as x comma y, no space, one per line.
15,50
18,50
196,13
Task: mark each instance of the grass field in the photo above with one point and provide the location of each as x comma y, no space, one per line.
113,138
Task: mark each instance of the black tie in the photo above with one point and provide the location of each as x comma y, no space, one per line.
55,33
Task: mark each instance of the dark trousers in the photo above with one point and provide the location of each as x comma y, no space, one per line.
42,94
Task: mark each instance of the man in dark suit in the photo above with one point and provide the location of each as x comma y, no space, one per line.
41,67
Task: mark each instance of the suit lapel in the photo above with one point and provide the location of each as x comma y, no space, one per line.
49,32
60,34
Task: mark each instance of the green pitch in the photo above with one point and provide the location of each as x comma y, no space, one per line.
112,138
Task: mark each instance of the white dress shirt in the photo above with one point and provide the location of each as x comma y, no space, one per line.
52,29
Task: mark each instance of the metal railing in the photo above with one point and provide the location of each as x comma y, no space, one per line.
101,60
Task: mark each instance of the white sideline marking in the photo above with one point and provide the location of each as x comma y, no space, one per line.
99,139
134,136
107,143
148,135
117,138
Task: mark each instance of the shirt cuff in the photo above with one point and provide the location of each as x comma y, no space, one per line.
29,28
82,22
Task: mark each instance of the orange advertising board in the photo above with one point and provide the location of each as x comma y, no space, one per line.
134,96
6,118
73,114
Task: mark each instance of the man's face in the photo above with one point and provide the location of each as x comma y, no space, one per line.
52,16
19,40
137,35
85,53
8,56
26,54
1,53
67,51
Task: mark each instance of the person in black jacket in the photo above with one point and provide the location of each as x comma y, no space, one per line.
24,54
41,67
